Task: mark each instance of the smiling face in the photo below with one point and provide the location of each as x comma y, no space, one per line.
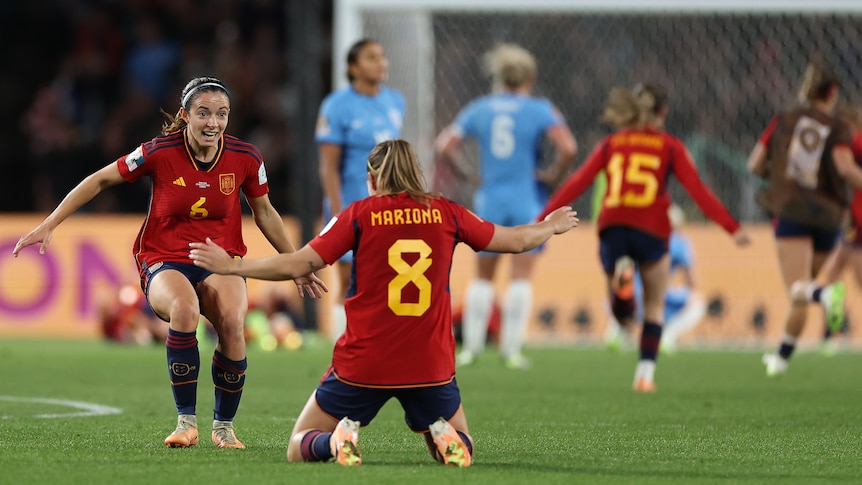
207,118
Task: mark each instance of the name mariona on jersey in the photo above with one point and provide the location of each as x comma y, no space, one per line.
390,217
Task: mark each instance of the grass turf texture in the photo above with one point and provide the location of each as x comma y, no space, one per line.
571,418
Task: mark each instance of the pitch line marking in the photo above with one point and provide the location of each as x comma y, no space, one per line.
87,409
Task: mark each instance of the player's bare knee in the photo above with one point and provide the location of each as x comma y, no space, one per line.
294,453
184,316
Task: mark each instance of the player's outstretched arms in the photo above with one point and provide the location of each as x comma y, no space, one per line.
74,200
283,266
527,236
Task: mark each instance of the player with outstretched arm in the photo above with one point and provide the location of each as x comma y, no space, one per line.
197,172
398,341
634,226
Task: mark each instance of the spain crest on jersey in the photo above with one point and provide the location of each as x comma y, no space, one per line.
226,183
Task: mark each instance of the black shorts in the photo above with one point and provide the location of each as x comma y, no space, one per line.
618,241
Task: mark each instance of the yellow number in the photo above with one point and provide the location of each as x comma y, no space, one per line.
198,211
408,273
639,171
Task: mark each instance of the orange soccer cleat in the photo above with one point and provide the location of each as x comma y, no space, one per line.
449,444
186,433
224,436
343,441
644,385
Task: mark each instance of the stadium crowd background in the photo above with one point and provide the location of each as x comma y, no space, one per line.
85,79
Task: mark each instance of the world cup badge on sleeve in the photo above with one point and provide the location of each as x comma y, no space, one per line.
226,183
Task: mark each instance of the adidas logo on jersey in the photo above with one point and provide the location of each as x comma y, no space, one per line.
180,182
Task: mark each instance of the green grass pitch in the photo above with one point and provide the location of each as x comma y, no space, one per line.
571,418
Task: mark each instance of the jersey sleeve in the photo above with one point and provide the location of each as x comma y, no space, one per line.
577,183
337,236
330,127
133,166
255,184
550,116
472,229
464,124
685,170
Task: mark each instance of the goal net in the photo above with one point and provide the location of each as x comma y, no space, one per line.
727,69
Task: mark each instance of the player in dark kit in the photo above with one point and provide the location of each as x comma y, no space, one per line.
805,156
634,226
197,173
398,340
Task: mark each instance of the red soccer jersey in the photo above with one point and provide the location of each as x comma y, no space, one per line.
399,310
189,203
638,164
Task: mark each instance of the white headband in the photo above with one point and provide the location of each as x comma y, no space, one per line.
192,91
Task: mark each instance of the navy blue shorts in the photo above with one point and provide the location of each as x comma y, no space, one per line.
422,405
824,241
616,242
195,274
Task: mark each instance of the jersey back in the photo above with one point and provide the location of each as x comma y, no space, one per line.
399,309
804,185
509,130
637,165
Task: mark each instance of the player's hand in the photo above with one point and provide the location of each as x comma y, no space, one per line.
741,237
310,285
41,234
211,257
563,219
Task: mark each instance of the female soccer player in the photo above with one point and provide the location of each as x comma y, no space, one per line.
828,287
684,305
634,227
197,172
509,126
806,157
398,341
351,121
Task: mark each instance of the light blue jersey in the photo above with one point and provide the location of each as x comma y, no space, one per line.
509,129
357,123
681,257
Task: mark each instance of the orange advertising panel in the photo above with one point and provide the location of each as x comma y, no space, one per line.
58,294
743,285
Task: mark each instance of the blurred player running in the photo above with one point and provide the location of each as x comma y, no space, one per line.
634,226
